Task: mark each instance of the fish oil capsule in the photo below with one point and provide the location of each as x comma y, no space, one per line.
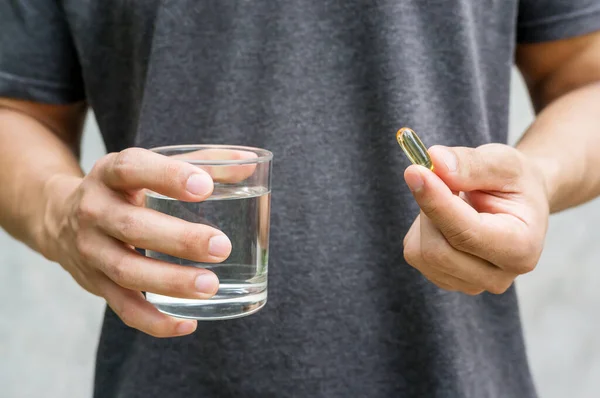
413,147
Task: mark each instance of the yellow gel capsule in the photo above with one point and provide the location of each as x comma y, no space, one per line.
413,147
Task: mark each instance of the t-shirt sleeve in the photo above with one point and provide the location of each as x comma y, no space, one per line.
546,20
38,60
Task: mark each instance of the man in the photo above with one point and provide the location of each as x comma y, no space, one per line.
324,85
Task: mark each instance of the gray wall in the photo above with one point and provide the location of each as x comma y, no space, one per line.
49,326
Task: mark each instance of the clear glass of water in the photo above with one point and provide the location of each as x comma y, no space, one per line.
240,207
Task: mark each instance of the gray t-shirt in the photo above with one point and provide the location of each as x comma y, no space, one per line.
324,84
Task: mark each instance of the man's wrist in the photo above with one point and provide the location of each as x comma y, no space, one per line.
54,200
549,172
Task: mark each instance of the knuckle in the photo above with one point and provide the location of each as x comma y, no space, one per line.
525,267
88,210
430,206
189,240
437,255
173,172
473,291
103,162
515,163
156,329
476,163
510,167
410,255
464,240
124,162
526,258
498,287
495,288
119,270
129,227
85,249
127,313
429,254
441,284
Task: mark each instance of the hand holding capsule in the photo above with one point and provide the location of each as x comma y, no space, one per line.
492,231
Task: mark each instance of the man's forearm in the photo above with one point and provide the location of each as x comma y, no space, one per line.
30,155
564,141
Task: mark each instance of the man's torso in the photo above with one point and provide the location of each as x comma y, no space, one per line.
324,85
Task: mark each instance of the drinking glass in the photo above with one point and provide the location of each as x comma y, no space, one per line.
240,207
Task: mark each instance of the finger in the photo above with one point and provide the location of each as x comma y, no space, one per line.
414,227
137,313
413,256
220,167
448,211
129,269
440,284
491,167
477,272
136,168
152,230
462,226
449,282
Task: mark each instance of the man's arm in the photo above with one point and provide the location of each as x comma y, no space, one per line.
482,243
563,78
90,224
37,141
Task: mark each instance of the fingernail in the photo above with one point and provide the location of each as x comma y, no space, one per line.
186,327
206,283
219,246
449,159
199,184
414,181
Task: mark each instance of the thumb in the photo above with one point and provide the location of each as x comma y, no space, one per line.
491,167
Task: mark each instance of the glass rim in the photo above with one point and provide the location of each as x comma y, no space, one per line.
263,155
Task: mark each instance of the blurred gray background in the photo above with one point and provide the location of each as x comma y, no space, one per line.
50,326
